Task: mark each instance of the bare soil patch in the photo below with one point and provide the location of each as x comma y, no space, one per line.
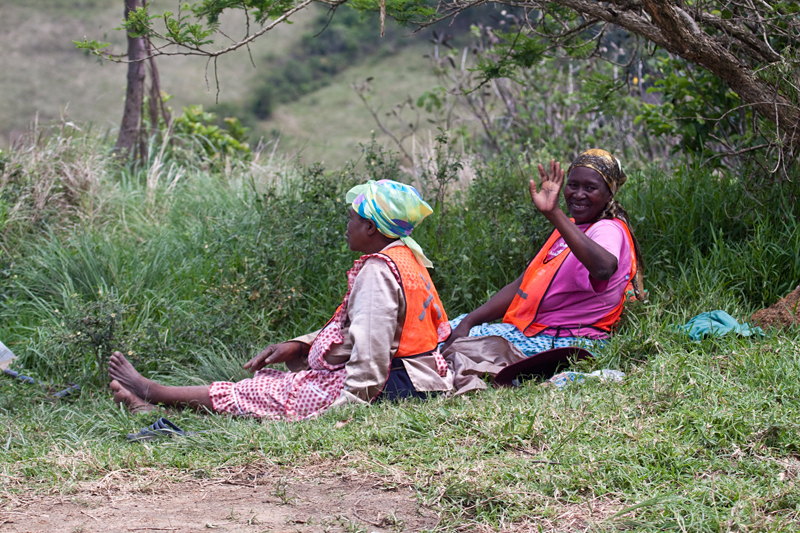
273,501
784,313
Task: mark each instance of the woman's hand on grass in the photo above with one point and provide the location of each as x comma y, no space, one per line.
546,198
277,353
462,330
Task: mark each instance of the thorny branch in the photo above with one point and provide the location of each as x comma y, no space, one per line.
187,49
361,91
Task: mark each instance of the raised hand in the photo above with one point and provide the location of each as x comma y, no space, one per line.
276,353
546,198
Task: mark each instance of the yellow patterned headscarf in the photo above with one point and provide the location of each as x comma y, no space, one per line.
605,164
610,168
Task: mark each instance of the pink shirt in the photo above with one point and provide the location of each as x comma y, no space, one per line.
575,298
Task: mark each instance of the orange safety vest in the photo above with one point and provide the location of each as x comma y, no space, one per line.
537,280
424,310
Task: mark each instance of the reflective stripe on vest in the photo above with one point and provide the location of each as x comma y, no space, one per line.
426,322
536,282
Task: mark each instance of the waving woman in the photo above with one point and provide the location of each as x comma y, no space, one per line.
573,291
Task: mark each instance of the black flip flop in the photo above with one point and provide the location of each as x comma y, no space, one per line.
543,364
161,428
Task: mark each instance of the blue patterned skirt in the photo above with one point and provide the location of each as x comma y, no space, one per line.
529,345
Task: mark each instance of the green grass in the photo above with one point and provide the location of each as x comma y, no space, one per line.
702,437
194,279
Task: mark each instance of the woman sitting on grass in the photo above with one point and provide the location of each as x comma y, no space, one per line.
573,291
380,344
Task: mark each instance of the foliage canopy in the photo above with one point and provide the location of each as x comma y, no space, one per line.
752,46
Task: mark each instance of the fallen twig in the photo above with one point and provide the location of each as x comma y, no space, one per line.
90,516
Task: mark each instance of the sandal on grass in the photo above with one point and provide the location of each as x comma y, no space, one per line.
161,428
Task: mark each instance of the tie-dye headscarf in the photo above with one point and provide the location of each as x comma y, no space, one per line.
395,209
610,168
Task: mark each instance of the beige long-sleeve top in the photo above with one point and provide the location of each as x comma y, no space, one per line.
376,312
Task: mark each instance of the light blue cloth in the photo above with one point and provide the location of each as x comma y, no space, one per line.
718,323
528,345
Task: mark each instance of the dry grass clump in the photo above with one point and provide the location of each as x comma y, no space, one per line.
49,178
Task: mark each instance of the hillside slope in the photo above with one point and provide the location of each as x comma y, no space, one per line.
328,125
45,76
44,73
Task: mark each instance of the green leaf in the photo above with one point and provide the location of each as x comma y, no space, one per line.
91,45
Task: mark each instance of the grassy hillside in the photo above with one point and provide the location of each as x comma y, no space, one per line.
44,74
329,124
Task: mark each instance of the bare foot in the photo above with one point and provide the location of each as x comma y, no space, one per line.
121,370
129,399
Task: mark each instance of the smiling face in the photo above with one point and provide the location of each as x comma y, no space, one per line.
586,194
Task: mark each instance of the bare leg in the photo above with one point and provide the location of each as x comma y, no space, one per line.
129,399
121,370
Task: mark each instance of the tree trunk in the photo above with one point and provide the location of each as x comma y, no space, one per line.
685,38
130,128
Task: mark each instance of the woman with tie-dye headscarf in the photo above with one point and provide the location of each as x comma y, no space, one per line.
573,291
381,343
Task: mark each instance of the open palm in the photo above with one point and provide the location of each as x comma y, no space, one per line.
546,197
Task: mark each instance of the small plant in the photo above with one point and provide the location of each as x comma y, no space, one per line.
218,143
442,171
393,521
350,526
97,331
281,492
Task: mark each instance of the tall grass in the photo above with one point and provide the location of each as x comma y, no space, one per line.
170,271
50,180
705,234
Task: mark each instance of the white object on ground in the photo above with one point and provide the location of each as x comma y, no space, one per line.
565,379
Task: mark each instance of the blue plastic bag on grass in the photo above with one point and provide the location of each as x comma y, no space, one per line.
717,323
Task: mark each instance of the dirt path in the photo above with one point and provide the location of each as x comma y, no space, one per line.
272,501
